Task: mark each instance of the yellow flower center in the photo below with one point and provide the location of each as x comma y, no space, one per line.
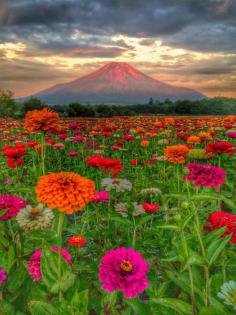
126,266
34,211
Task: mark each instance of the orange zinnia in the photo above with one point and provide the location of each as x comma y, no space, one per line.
66,191
176,154
42,120
194,140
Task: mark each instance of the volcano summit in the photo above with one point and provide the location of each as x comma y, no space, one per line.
115,83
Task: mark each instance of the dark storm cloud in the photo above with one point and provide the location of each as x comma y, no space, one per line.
207,25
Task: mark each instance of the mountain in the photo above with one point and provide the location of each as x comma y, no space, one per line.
115,83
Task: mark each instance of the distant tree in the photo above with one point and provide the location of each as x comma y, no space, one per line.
105,111
150,101
8,106
33,103
78,110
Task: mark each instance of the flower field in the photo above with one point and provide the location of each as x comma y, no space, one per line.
126,215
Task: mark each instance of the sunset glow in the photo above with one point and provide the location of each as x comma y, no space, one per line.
60,44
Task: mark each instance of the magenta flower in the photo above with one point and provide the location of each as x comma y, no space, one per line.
73,153
100,196
7,182
3,276
34,265
78,139
125,270
12,205
231,134
205,175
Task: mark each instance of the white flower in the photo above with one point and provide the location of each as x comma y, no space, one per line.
119,185
138,209
31,218
228,293
150,191
122,209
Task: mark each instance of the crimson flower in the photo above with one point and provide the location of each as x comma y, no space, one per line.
219,219
150,207
220,147
112,165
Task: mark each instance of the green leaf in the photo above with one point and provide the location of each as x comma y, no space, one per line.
4,241
166,227
210,311
138,307
6,308
144,220
64,283
123,221
42,308
79,302
178,305
230,203
205,197
49,267
16,279
10,257
214,235
215,248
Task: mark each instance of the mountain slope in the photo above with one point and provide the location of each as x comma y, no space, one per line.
116,82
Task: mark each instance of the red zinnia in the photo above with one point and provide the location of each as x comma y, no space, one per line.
112,165
219,219
77,240
150,207
221,147
14,154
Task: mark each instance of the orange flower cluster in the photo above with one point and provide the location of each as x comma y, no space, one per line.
176,154
66,191
194,140
42,120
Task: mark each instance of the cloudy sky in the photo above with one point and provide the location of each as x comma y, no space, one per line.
188,43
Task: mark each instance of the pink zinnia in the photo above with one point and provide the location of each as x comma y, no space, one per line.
12,205
3,276
34,265
73,153
100,196
125,270
205,175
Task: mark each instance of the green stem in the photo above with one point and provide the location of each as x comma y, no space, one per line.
190,273
43,153
59,234
203,251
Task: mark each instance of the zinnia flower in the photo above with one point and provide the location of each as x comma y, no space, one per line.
3,276
150,207
34,265
231,134
176,154
39,217
220,147
100,197
66,191
14,154
228,293
219,219
125,270
119,185
205,175
194,140
77,240
42,120
197,154
112,165
12,205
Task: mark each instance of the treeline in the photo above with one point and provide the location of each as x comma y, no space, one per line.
214,106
